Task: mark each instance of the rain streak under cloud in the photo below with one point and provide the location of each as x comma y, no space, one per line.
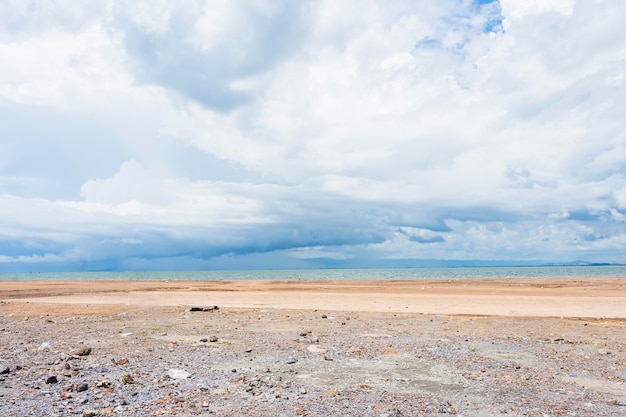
211,134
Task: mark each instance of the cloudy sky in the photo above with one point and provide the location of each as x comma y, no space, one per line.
209,134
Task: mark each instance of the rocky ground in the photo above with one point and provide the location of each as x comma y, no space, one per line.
159,361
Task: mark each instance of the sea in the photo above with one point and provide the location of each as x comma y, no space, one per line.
330,274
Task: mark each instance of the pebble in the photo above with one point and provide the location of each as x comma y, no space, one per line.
177,373
44,346
103,384
367,377
127,379
83,351
316,349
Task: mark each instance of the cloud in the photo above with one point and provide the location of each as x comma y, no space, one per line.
204,132
201,49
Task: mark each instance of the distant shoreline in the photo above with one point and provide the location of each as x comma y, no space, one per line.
420,273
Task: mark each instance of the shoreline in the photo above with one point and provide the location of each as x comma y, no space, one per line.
593,297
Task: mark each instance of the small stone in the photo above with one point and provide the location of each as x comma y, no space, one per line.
205,404
316,349
5,371
44,346
177,374
83,351
303,391
123,361
324,316
213,339
127,379
90,413
204,340
196,309
82,387
291,361
52,380
103,384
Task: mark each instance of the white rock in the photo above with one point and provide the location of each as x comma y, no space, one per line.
178,374
44,346
316,349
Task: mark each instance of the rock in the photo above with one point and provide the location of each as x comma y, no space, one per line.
43,346
83,351
82,387
204,340
122,361
316,349
5,371
211,308
90,413
103,384
127,379
52,380
213,339
291,361
178,374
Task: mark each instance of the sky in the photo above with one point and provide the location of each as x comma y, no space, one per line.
283,134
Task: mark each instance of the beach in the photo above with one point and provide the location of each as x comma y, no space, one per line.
479,347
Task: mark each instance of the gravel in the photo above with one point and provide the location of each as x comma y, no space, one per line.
300,363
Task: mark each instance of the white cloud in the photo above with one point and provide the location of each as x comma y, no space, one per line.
515,9
338,129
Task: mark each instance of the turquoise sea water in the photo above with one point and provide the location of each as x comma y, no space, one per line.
321,274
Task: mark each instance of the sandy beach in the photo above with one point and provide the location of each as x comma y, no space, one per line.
550,297
515,347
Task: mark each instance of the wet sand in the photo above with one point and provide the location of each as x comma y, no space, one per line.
592,297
